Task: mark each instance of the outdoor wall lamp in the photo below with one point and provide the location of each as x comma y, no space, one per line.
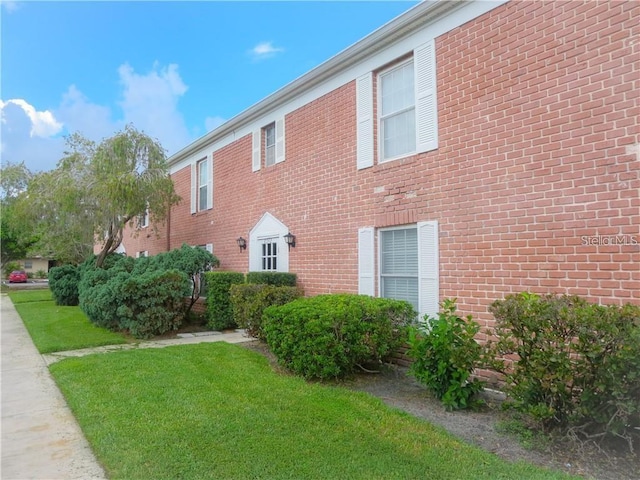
242,243
290,238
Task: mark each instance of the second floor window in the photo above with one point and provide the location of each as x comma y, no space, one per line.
397,111
203,183
270,144
143,219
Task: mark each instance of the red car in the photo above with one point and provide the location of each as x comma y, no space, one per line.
18,276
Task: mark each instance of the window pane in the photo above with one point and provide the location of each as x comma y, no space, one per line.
270,144
399,134
401,288
270,135
399,264
202,198
204,167
397,89
270,156
269,255
203,176
399,252
397,111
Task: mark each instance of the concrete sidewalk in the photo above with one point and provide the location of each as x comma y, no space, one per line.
40,437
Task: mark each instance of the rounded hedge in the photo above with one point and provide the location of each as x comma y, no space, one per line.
330,336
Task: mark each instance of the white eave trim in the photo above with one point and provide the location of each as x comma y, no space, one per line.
424,13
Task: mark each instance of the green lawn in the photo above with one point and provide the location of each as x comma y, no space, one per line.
56,329
219,411
28,296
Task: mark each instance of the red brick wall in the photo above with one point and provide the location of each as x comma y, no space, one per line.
538,109
536,130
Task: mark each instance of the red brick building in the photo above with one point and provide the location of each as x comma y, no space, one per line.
465,149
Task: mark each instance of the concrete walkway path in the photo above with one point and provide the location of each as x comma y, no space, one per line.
40,437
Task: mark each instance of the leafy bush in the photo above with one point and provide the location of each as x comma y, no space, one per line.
250,301
329,336
219,308
281,279
63,282
152,303
445,354
41,274
578,364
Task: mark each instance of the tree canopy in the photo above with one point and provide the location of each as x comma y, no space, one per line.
16,236
97,190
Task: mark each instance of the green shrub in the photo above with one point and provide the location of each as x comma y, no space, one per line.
63,282
329,336
99,296
249,302
280,279
578,364
152,303
219,308
445,354
41,274
192,261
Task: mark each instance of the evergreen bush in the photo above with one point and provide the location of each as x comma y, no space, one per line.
63,282
152,303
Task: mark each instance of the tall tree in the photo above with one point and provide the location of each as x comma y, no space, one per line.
16,235
97,190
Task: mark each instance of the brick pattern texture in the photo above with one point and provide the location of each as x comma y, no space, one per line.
535,184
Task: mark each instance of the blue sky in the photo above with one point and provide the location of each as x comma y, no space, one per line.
174,69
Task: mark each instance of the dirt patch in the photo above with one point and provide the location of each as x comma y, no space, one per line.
481,428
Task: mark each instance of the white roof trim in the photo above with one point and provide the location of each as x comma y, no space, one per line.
413,19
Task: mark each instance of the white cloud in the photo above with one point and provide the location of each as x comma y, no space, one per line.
9,6
264,50
18,144
89,119
148,101
211,123
43,123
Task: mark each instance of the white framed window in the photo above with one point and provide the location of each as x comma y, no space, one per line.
399,264
269,254
142,253
270,144
396,104
407,113
143,220
202,185
406,267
